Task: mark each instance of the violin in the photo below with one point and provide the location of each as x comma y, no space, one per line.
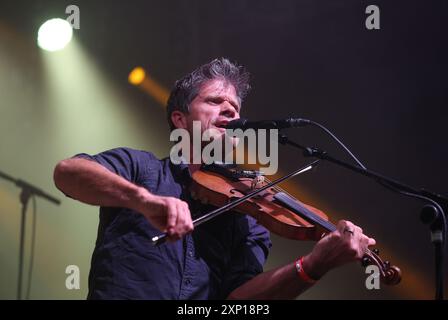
274,208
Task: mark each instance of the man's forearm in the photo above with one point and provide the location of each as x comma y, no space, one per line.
279,283
91,183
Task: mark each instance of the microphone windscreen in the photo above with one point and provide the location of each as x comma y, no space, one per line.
236,124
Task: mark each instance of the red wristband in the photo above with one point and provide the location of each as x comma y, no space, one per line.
302,274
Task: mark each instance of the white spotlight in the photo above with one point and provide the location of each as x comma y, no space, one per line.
54,34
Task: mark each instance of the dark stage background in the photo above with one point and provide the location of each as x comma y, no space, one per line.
383,92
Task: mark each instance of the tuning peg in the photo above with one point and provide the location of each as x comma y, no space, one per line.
365,261
376,251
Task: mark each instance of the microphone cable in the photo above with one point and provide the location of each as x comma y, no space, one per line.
338,141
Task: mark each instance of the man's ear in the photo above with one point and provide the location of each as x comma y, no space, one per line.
179,119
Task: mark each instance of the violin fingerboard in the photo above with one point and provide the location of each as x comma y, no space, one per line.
299,208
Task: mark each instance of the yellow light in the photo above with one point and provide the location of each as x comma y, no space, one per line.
137,76
145,82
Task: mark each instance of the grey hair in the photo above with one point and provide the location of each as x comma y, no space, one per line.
187,88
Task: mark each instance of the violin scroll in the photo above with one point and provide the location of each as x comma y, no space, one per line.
389,274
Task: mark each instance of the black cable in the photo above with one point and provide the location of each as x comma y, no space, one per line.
339,142
33,242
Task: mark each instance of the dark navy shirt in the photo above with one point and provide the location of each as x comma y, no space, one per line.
210,263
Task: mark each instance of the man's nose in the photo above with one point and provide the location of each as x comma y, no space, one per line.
228,110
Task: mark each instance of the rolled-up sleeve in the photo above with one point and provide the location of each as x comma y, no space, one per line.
125,162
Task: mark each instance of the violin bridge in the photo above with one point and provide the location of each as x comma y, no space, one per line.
257,182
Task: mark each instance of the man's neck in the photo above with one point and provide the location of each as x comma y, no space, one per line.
192,166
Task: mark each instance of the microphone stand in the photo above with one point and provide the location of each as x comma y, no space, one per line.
28,190
432,214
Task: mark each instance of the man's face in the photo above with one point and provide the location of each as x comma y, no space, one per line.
215,105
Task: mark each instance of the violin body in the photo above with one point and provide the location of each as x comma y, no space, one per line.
217,190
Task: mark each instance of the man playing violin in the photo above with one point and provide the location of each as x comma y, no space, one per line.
141,196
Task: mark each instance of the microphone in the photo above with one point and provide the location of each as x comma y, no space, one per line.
267,124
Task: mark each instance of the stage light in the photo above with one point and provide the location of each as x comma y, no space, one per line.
54,34
137,76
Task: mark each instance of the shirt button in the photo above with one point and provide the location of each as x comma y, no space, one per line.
190,254
187,281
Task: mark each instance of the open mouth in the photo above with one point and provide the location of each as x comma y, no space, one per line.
221,124
221,127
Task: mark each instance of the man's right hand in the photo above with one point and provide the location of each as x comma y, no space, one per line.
168,214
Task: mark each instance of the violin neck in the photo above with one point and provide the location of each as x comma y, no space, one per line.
299,208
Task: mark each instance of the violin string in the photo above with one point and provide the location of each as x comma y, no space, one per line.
278,188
